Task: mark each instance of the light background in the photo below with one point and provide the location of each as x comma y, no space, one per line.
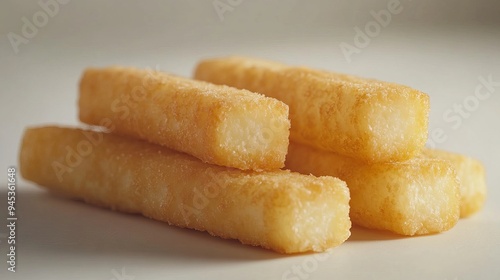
439,47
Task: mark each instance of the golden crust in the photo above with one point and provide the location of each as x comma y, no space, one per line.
369,120
419,196
471,176
217,124
283,211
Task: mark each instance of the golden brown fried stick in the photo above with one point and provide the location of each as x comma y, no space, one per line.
286,212
419,196
471,176
370,120
217,124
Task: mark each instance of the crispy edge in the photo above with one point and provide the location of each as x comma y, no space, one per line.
187,115
471,175
283,211
391,183
322,102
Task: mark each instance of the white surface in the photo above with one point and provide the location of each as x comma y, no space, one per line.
437,49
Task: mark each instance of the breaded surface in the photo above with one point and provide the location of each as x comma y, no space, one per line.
217,124
280,210
419,196
471,176
369,120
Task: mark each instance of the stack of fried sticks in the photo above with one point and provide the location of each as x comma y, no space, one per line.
208,154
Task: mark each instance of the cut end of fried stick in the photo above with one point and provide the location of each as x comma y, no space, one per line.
415,197
217,124
471,175
280,210
369,120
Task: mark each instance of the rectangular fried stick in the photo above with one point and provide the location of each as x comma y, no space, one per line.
280,210
418,196
471,175
217,124
369,120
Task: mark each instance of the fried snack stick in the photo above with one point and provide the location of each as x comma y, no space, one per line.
415,197
344,114
217,124
283,211
471,176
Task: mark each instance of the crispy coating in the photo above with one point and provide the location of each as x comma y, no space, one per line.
280,210
419,196
471,176
369,120
217,124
